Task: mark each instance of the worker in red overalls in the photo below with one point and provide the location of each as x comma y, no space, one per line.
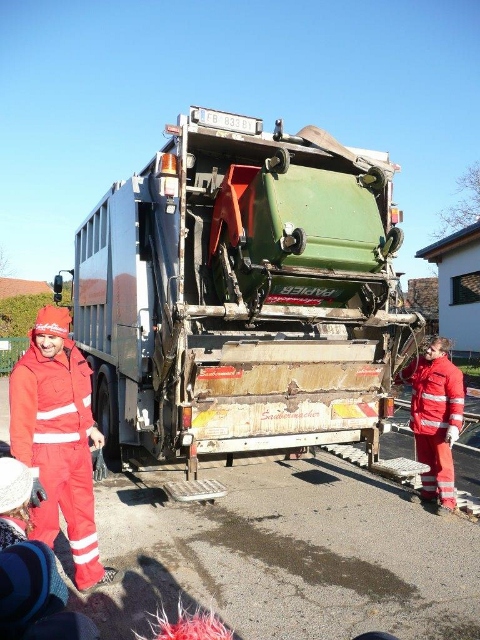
436,419
50,426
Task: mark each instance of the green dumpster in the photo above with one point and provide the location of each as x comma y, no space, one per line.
298,224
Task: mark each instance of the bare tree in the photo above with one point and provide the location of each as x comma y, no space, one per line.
5,269
467,210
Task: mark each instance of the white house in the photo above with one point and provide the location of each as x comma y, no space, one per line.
458,260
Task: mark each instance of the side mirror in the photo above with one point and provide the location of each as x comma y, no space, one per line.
58,284
57,288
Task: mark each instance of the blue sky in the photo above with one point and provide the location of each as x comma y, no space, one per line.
87,87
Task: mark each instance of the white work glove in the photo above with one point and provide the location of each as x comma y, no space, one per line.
452,435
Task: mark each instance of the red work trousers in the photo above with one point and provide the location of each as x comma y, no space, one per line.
66,475
440,480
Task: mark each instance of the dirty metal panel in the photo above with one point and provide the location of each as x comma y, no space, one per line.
270,443
240,420
286,378
298,351
127,348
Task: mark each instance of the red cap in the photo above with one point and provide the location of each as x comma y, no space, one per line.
53,321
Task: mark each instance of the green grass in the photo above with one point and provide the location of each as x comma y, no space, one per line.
469,366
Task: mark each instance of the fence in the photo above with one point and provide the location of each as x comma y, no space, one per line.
10,351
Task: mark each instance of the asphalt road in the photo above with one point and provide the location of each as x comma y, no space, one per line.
298,550
308,549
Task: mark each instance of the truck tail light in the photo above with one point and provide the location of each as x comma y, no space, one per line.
387,407
169,186
186,417
186,437
168,164
396,215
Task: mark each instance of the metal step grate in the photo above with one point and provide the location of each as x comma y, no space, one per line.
347,452
186,491
468,503
400,467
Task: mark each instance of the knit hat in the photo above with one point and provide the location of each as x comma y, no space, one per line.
30,585
53,321
15,484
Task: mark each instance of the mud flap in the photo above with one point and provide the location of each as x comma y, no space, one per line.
189,490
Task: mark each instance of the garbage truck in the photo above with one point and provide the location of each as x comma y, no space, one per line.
237,296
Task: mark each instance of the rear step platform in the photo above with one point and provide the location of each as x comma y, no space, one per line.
189,490
399,467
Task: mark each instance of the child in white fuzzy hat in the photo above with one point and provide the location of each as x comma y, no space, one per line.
15,490
32,592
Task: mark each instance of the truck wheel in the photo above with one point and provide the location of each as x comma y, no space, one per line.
107,420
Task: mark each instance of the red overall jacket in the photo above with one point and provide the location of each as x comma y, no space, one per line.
438,394
49,403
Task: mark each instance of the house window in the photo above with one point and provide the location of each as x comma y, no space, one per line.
466,288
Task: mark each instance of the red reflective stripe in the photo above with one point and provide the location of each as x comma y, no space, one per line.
369,411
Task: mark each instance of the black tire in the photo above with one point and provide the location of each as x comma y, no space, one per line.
107,420
301,241
283,163
284,158
393,241
380,178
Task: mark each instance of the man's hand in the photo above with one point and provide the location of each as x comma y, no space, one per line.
100,471
38,494
452,435
97,437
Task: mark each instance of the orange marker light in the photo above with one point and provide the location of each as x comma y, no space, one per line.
168,164
186,417
387,407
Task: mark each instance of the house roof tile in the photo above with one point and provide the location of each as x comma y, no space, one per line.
11,287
